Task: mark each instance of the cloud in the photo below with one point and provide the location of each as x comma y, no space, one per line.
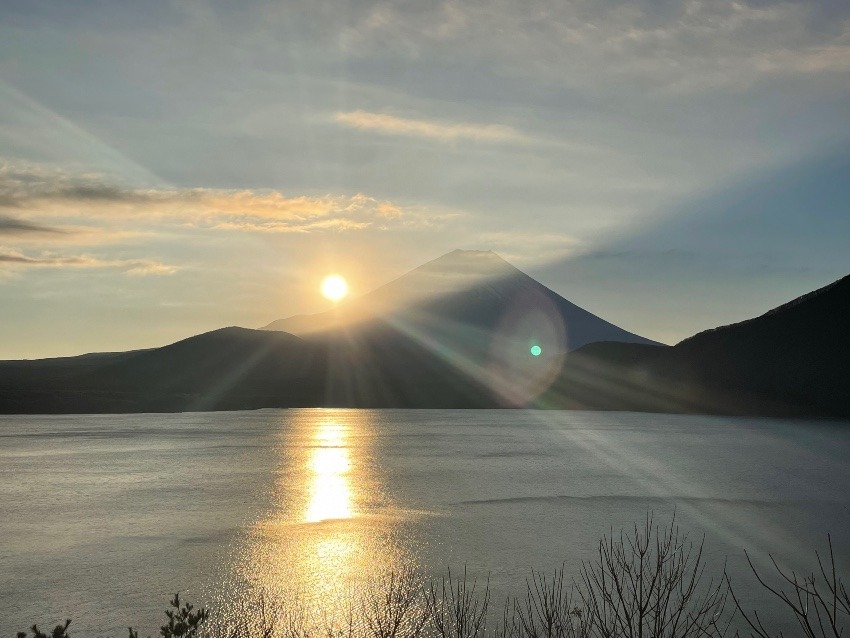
139,267
12,226
686,46
337,224
44,192
446,132
827,59
529,248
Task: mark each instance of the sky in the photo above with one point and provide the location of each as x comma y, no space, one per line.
168,168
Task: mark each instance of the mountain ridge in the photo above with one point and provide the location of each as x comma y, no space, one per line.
497,343
464,286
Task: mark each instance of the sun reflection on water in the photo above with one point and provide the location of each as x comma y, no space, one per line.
332,529
330,492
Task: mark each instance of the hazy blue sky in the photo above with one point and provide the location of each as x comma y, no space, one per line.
173,167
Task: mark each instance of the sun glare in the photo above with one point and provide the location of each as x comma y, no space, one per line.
334,287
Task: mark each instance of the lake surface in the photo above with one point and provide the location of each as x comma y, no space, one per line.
102,518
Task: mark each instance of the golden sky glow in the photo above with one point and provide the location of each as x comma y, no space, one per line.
575,149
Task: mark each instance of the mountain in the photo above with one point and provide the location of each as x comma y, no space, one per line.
230,368
469,317
466,331
795,357
463,290
791,361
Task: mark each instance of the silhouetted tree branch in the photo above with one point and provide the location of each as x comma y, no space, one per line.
819,603
649,584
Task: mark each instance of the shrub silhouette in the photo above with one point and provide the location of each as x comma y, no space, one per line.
59,631
648,582
454,609
549,609
183,622
818,602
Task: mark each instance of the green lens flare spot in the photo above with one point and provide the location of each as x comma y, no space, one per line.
535,351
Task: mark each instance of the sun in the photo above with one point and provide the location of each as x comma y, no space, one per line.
334,287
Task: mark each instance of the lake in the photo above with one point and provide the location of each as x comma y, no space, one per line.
103,517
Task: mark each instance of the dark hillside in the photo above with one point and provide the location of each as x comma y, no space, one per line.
791,361
501,341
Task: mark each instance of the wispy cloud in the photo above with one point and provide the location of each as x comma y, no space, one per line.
139,267
13,226
37,192
444,131
336,224
528,248
834,58
680,47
